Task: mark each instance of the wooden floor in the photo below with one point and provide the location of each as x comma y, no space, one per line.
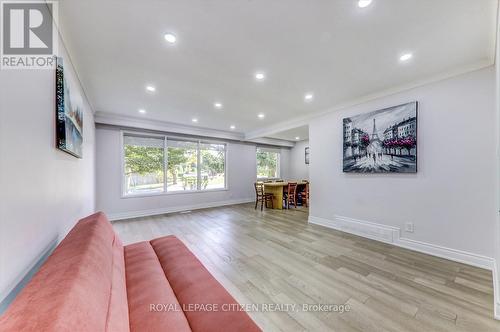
277,257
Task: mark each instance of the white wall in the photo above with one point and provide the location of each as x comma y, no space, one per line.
241,170
496,273
285,167
451,200
298,168
44,190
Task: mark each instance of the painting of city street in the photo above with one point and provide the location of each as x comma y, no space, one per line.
69,114
383,141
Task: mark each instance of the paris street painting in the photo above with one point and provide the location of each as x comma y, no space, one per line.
383,141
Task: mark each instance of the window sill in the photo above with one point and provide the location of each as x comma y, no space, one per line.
168,193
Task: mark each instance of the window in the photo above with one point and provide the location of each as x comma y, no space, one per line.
213,166
143,164
162,164
182,165
268,163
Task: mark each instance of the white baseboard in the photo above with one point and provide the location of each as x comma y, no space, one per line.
496,291
367,229
173,209
392,235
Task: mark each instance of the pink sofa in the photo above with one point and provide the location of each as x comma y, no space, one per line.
93,283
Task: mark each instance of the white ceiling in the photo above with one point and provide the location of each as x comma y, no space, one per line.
332,48
291,134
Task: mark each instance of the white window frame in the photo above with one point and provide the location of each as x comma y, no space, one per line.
165,138
278,163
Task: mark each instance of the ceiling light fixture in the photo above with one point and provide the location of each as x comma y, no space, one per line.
364,3
261,115
405,57
195,120
233,127
260,76
218,106
308,97
142,111
150,88
171,38
297,138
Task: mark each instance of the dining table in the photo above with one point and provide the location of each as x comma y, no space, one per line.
276,188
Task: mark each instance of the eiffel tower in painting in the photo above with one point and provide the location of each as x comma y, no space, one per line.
374,137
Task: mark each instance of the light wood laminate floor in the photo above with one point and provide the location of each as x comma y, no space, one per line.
277,257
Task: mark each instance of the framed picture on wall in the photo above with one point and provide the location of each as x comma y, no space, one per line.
306,155
382,141
69,114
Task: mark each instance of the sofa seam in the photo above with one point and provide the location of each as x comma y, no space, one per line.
111,285
173,290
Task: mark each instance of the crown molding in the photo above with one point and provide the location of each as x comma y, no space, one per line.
163,126
272,141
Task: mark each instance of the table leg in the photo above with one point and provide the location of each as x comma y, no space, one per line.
277,196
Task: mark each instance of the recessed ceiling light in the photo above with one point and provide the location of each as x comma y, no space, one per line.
364,3
142,111
194,120
308,97
218,106
261,115
297,138
171,38
233,127
260,76
150,88
405,57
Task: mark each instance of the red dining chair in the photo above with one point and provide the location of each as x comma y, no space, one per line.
304,195
290,195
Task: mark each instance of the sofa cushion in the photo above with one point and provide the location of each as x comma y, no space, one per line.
147,286
197,289
72,290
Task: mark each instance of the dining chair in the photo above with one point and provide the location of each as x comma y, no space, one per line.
290,195
261,196
304,194
285,193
